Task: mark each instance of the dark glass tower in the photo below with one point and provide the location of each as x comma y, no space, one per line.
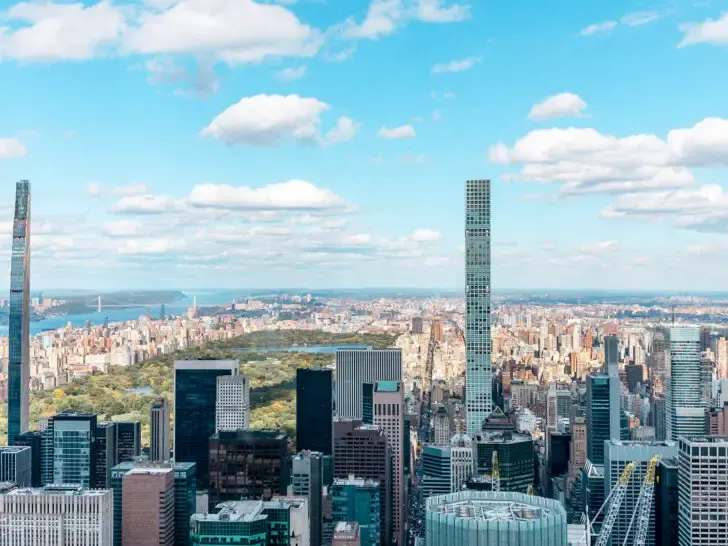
195,395
314,410
19,321
128,440
602,415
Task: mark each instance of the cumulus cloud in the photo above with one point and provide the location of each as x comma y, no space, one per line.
456,66
346,129
557,106
403,131
266,120
145,204
711,31
598,28
291,73
11,148
292,195
97,190
122,228
425,236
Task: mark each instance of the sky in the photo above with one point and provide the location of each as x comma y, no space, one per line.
326,143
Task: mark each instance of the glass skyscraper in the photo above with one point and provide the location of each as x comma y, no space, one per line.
314,410
19,320
686,407
74,449
478,388
602,414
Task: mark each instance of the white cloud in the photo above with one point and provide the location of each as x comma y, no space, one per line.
600,247
97,190
152,246
403,131
599,28
292,195
11,148
122,228
164,71
557,106
711,31
145,204
346,129
436,115
639,18
51,31
433,11
456,66
437,260
265,120
290,73
425,236
357,240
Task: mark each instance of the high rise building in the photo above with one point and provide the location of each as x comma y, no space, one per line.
159,448
618,455
16,465
358,499
242,522
417,325
185,493
347,533
577,457
314,410
233,403
195,396
105,453
389,415
19,317
478,388
721,358
686,407
659,408
436,471
362,450
462,461
437,329
666,503
611,355
148,507
367,404
602,415
441,427
253,464
307,481
558,405
46,445
702,483
128,440
356,367
74,449
33,440
56,514
515,458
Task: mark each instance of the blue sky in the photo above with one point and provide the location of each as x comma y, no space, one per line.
324,143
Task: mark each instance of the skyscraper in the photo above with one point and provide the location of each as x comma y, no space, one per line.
19,319
159,431
105,453
686,406
602,414
357,499
233,403
478,388
462,461
307,481
148,507
314,410
33,440
16,465
356,367
195,395
128,440
74,449
611,355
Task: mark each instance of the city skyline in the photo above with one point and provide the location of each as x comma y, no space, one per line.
595,162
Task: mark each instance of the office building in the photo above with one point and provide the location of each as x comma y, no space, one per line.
16,465
19,317
437,329
592,480
417,325
74,449
314,410
356,367
185,492
462,461
105,453
558,406
617,456
602,414
128,440
367,403
288,520
159,436
611,356
307,481
46,445
666,503
232,410
33,440
702,486
659,408
515,458
478,388
362,450
148,507
242,522
441,427
195,395
56,515
358,499
252,464
577,447
436,471
686,407
346,533
484,518
389,415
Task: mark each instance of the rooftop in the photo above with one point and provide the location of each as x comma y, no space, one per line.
358,482
387,386
12,449
244,511
59,489
706,440
494,507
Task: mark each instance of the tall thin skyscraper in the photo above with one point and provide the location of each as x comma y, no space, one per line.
314,410
686,407
356,367
159,444
478,388
611,355
307,481
19,320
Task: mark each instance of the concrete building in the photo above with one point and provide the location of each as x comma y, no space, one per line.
462,461
478,380
346,533
686,405
33,439
441,432
354,368
436,471
148,507
159,439
702,486
307,481
358,500
16,465
389,415
314,410
618,455
56,515
232,408
558,406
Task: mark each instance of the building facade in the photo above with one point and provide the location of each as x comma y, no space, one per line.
436,471
19,317
441,427
74,449
358,499
356,367
33,440
462,461
105,453
128,440
148,507
16,465
159,446
478,388
686,406
602,414
314,410
515,458
307,481
232,410
347,533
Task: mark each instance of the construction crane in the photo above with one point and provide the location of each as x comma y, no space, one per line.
615,501
530,490
644,505
496,472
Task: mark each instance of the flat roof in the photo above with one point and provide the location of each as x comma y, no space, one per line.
495,510
387,386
